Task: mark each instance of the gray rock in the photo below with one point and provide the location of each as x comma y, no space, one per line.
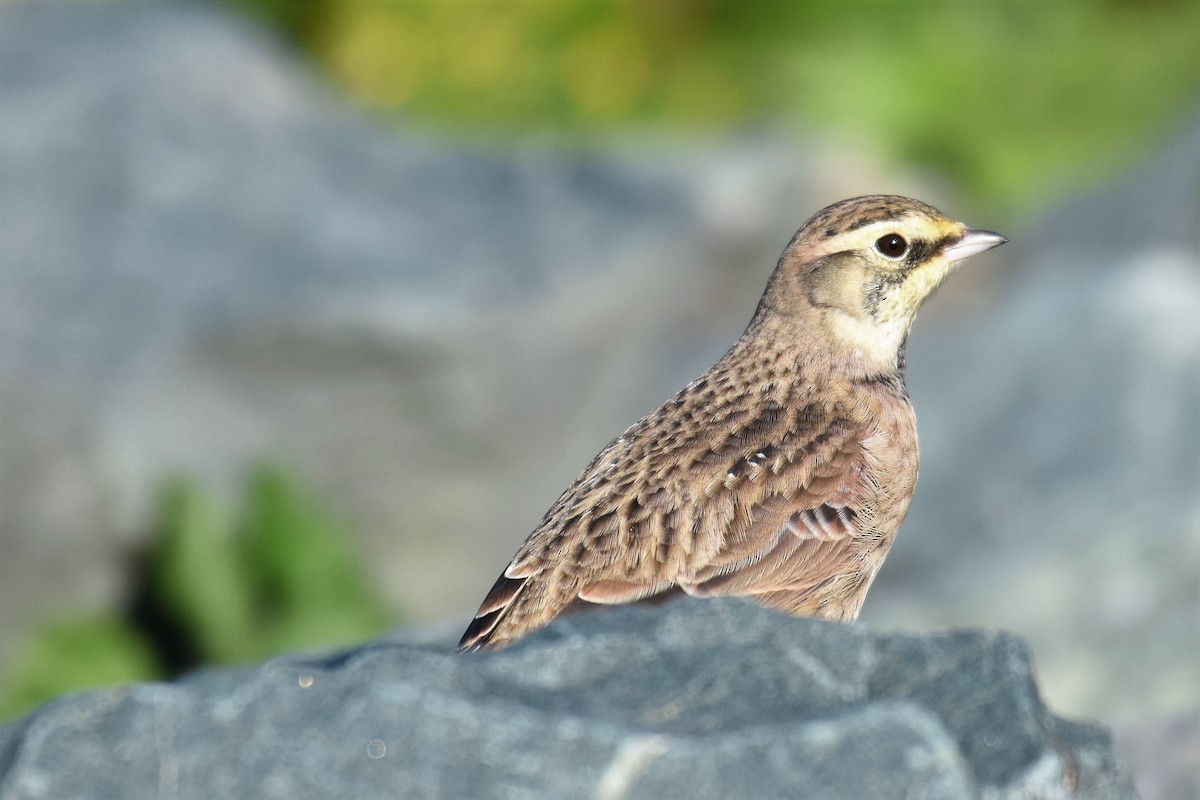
700,699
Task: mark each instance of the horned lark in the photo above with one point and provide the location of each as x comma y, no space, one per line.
782,473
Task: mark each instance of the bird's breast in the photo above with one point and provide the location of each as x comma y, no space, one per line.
890,459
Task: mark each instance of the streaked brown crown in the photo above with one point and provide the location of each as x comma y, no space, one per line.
847,215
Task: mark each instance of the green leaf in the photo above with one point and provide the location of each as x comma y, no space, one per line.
72,655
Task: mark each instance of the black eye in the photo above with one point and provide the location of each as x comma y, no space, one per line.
893,245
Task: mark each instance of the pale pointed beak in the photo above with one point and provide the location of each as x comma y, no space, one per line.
972,242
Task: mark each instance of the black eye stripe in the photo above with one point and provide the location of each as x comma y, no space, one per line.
918,251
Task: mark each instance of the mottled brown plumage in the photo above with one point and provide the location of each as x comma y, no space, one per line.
783,472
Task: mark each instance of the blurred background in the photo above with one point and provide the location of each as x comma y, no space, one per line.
308,310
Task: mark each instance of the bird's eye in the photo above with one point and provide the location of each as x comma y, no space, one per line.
893,245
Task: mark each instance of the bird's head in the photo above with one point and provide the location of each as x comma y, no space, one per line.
855,274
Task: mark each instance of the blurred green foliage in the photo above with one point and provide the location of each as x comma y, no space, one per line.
73,655
1008,98
281,576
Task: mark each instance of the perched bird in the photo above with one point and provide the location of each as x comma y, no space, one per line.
782,473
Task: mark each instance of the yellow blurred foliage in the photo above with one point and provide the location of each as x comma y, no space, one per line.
605,70
381,56
1004,97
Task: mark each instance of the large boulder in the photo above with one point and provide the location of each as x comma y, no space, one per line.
700,699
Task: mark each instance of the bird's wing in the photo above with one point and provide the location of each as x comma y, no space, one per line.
795,547
741,517
810,565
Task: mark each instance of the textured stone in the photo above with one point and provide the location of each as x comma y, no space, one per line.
699,699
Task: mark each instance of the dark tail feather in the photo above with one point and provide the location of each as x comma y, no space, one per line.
479,633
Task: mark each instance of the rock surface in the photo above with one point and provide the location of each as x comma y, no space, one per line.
699,699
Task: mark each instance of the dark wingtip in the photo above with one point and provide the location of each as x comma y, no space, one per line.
478,635
501,594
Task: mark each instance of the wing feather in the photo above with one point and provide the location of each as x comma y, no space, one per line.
780,508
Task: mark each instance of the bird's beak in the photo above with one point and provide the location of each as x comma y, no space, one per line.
972,242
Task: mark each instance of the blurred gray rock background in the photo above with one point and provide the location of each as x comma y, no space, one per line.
207,258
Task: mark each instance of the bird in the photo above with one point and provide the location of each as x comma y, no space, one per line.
782,473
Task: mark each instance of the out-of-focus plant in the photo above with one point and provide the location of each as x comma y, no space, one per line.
283,577
219,589
73,655
1009,98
